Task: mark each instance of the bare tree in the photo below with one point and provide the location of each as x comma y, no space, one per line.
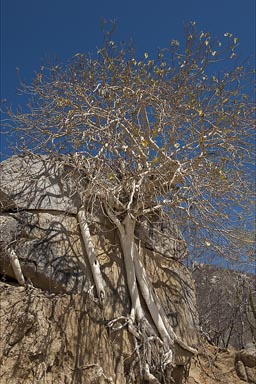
158,135
225,303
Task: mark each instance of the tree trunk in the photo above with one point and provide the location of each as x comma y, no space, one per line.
94,264
127,243
139,281
136,275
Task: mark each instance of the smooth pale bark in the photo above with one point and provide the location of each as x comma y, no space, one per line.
151,301
127,243
149,377
136,310
94,264
155,308
141,278
138,275
16,266
124,231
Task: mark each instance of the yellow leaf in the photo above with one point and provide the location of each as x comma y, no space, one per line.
176,145
76,142
207,243
63,102
206,42
235,40
146,55
144,143
111,176
201,113
155,160
71,113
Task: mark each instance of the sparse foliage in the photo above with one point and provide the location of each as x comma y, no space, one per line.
162,135
157,132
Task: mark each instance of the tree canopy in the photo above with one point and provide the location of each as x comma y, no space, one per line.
171,133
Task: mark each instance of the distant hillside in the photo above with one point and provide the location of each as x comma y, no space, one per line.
225,302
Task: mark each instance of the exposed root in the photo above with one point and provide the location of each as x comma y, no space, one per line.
186,347
155,309
117,320
14,260
150,353
97,372
132,329
149,377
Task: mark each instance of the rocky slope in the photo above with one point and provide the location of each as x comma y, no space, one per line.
226,302
215,366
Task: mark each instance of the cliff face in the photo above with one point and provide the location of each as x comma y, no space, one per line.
54,330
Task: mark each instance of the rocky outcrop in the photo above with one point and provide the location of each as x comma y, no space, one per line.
245,364
57,314
48,338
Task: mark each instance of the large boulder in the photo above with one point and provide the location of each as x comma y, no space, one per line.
37,183
245,363
39,203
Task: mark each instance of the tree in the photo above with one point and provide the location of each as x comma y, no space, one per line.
224,297
160,136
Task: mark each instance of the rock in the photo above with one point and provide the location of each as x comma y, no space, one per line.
32,182
162,237
6,203
38,220
53,339
245,363
49,250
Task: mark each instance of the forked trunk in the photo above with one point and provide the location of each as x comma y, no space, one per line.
138,279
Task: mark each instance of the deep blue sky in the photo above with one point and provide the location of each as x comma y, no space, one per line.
34,31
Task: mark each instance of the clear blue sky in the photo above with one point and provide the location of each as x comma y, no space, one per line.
33,31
